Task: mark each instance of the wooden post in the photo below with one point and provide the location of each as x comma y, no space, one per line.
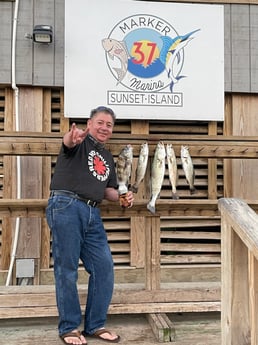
9,164
46,167
212,166
253,279
152,263
235,305
137,249
30,118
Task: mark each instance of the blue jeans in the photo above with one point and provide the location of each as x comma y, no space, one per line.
78,233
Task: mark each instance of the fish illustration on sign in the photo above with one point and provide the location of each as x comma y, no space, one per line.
117,49
171,55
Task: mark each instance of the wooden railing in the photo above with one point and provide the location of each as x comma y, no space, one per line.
239,260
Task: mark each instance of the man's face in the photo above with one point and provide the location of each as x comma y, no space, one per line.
101,126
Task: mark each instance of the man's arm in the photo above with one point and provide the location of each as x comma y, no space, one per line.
111,194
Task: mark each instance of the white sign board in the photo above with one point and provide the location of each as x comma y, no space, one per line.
145,60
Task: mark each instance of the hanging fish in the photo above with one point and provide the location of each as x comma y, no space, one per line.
141,166
157,175
172,169
124,168
188,168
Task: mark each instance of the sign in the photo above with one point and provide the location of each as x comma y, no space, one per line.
145,60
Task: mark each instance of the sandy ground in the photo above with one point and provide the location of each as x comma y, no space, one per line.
194,329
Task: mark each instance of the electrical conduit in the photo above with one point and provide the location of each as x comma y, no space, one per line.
17,128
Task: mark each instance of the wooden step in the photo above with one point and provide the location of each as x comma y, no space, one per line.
39,300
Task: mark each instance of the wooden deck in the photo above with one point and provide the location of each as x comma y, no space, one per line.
190,329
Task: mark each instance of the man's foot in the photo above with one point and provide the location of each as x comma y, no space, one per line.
74,337
106,335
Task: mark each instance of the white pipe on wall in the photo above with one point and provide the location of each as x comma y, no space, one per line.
17,128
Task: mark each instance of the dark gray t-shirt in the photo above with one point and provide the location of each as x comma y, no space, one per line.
87,169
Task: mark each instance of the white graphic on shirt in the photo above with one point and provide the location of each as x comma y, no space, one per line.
98,166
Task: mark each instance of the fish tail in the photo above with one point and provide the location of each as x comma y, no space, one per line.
151,204
171,86
120,74
134,188
193,190
175,196
151,207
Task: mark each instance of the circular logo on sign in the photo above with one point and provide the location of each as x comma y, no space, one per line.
145,53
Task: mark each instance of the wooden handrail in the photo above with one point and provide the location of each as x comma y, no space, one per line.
36,208
172,208
239,257
205,146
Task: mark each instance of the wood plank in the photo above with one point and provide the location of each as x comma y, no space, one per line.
40,300
253,290
190,235
43,54
190,247
31,104
24,47
197,307
240,36
239,224
253,48
137,249
243,179
42,295
178,208
162,327
46,178
191,258
212,166
138,235
195,222
59,43
48,144
6,41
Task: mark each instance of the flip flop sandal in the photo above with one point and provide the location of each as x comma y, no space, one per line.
98,334
74,334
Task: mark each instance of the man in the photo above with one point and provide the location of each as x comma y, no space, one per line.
84,176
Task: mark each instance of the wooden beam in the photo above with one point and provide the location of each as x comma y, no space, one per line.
48,144
162,327
169,208
39,300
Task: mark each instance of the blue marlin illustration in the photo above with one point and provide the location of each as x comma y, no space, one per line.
170,55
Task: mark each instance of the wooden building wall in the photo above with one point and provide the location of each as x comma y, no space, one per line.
43,65
189,242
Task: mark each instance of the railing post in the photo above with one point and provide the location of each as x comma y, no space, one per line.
236,302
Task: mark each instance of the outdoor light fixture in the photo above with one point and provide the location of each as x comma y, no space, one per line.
42,34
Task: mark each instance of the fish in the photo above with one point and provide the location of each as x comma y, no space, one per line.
141,166
124,168
171,55
172,169
118,49
157,175
188,167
